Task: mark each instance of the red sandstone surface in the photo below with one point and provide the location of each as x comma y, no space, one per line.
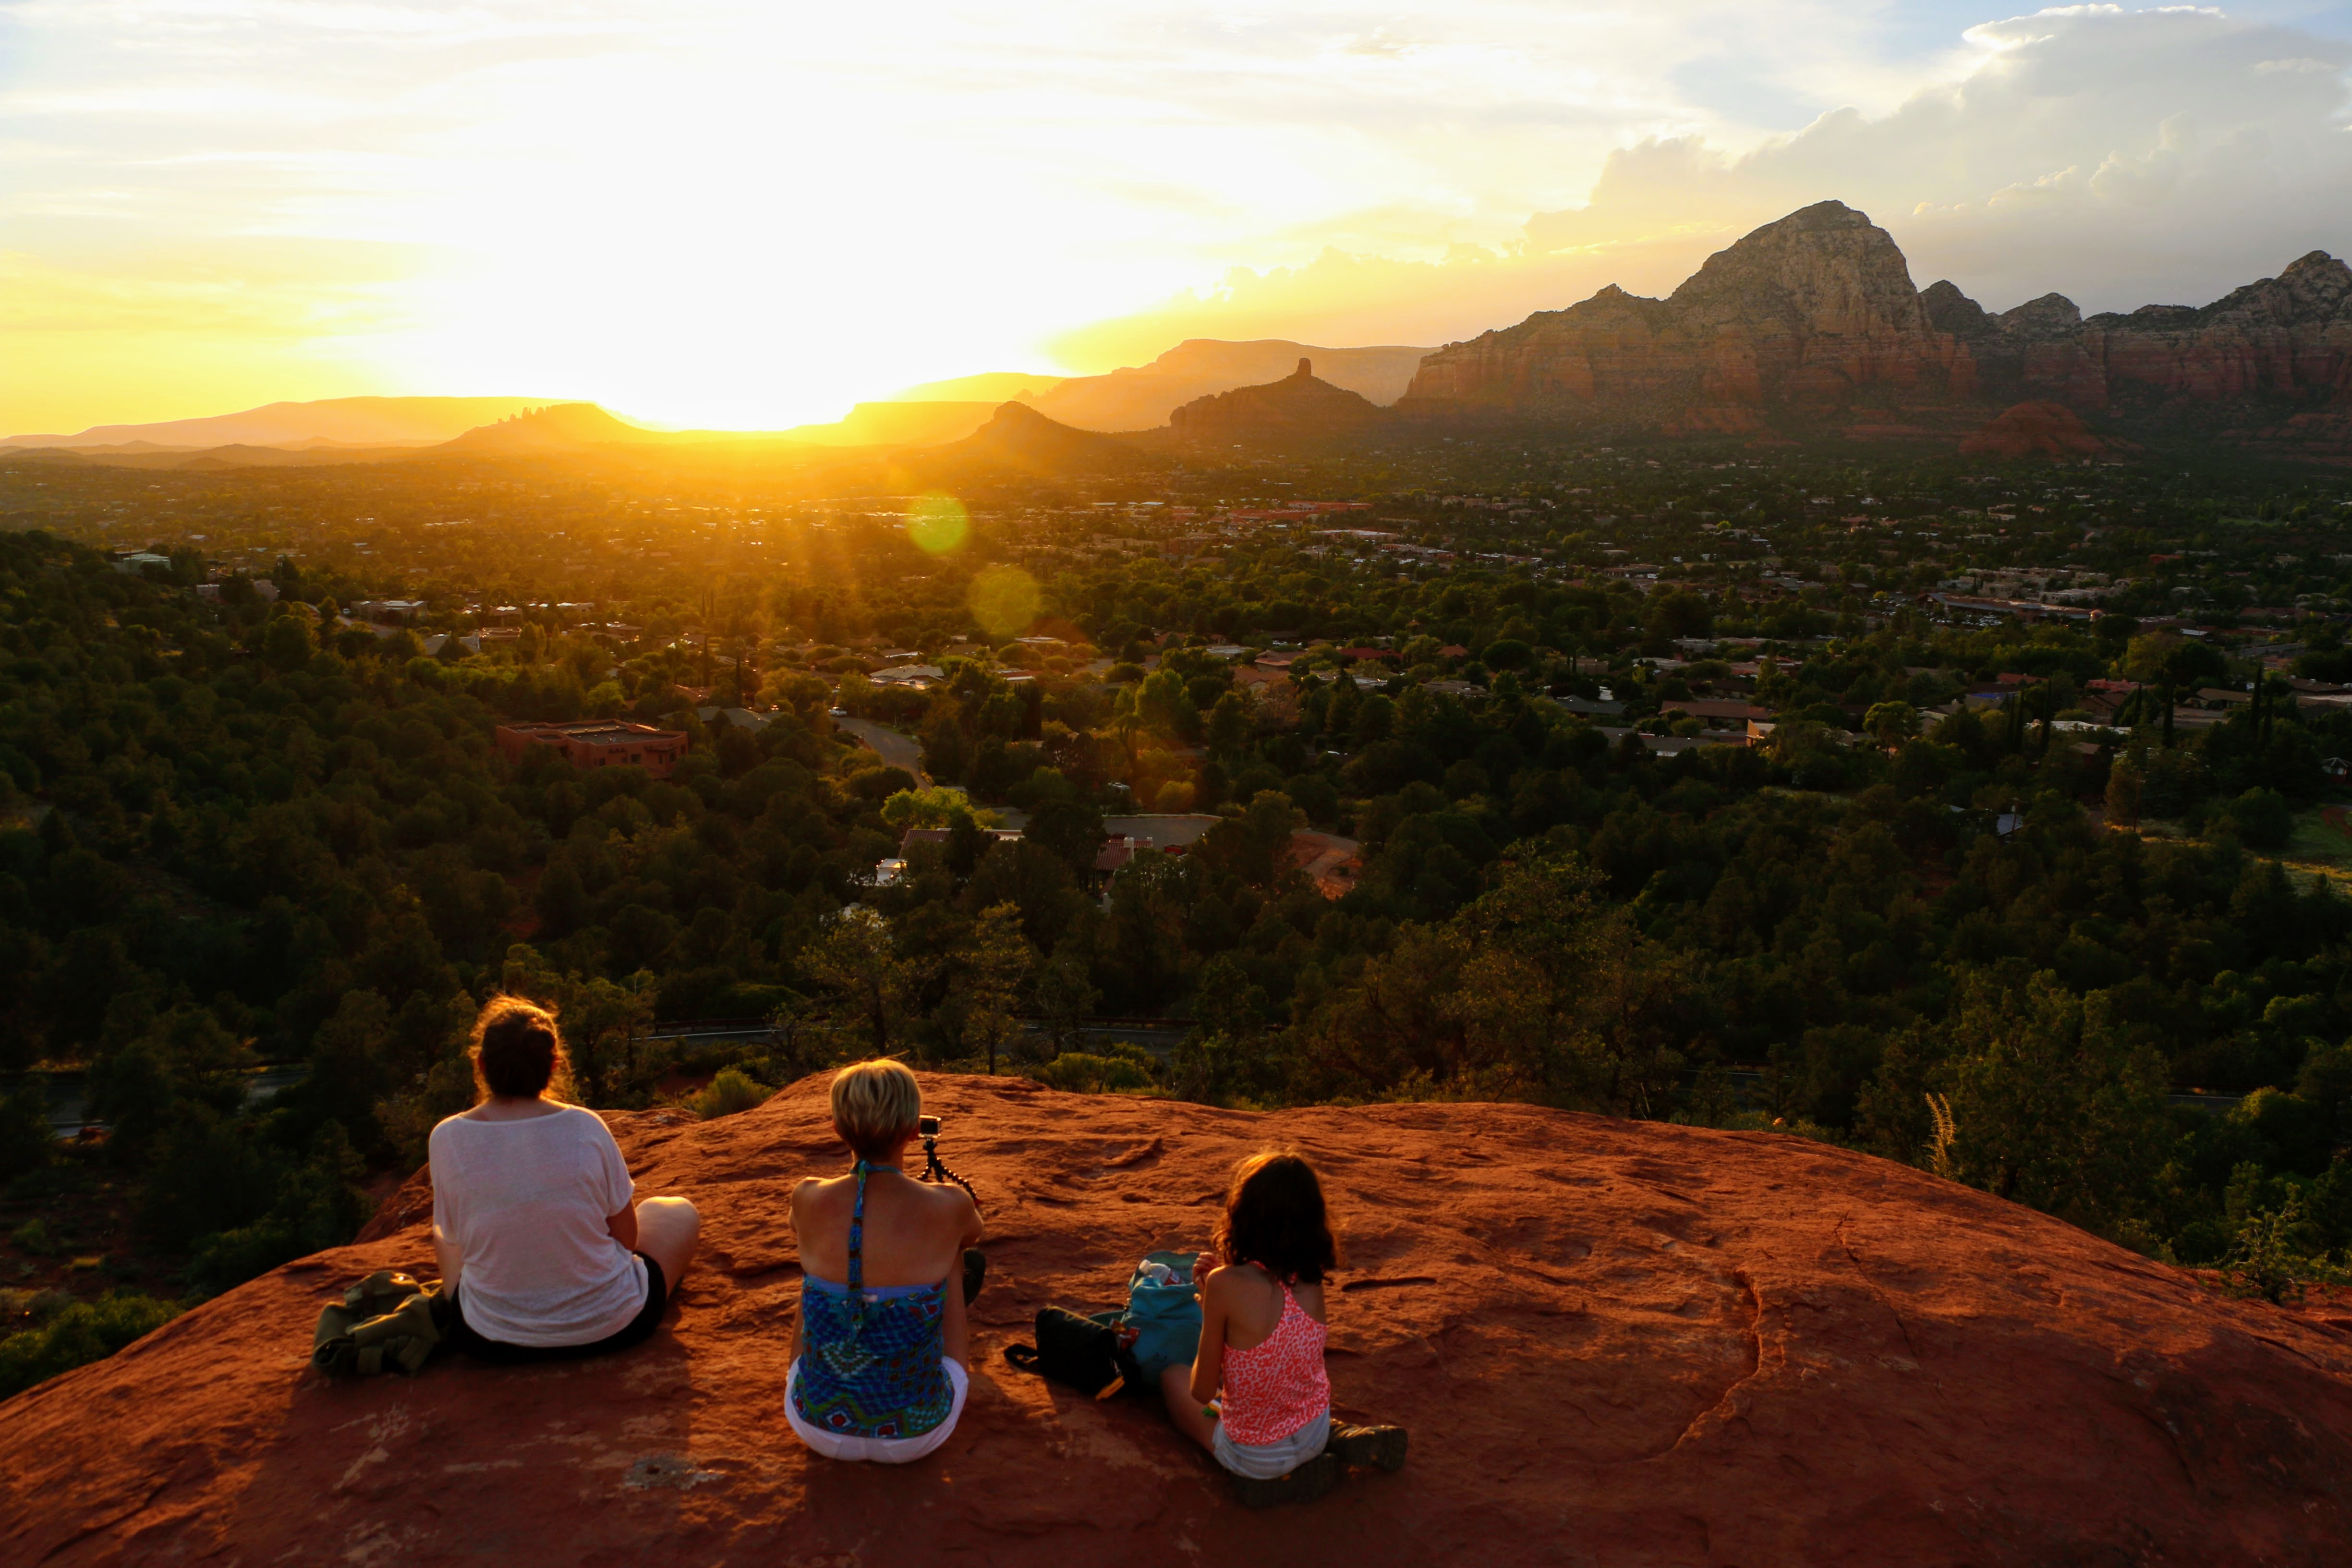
2032,430
1616,1343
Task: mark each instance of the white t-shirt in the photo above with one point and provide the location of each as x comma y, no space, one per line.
525,1203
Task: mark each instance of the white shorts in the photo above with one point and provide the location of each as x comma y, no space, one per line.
1269,1462
880,1450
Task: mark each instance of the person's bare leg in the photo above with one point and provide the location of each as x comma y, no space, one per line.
667,1229
1176,1388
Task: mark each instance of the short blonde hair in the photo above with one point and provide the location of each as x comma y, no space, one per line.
875,1105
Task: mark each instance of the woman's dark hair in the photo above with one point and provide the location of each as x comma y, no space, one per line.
1275,1218
517,1051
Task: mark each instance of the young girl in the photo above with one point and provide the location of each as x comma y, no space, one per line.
1262,1327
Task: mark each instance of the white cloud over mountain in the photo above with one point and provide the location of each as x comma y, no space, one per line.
2120,157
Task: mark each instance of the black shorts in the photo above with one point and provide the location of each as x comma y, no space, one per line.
636,1330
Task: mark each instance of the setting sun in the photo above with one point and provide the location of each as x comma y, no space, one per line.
746,216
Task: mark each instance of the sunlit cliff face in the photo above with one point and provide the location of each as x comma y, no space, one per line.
714,213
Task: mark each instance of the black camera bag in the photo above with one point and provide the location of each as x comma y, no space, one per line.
1081,1352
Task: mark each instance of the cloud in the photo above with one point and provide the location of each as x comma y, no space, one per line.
2119,157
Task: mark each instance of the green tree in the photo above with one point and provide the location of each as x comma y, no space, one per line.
2263,819
604,1025
2053,1104
286,643
1165,708
937,806
2123,792
1229,725
1064,994
855,959
1537,988
1229,1004
1892,723
985,972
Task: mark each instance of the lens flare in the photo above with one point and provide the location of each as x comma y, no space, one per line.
938,523
1003,600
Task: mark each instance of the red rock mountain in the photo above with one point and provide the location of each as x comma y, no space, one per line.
1812,323
1297,408
2270,349
2040,429
1805,316
1615,1342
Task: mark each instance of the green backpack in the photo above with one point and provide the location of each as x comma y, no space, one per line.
387,1322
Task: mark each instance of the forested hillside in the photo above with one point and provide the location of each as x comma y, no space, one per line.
240,831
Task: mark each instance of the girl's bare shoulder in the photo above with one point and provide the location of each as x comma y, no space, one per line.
1235,1276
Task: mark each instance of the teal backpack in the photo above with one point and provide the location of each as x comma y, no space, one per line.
1164,1318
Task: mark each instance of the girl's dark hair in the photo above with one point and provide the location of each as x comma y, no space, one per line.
517,1050
1275,1218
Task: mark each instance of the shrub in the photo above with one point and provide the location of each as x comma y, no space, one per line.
2263,819
76,1335
314,1205
1124,1069
2267,1261
730,1092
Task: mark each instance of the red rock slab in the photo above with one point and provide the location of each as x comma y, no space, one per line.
1615,1342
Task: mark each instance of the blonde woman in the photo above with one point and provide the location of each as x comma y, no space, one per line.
879,1352
543,1246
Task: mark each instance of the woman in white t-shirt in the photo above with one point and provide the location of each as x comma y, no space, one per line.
543,1245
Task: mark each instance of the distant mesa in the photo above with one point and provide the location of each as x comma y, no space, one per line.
1301,407
558,428
2036,429
1017,436
365,421
1144,397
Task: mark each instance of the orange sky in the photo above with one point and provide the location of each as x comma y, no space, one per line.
718,212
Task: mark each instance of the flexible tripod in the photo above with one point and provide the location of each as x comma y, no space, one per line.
936,1170
975,1262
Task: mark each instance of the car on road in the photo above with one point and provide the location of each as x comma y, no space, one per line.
839,712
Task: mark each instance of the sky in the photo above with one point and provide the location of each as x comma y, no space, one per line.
747,213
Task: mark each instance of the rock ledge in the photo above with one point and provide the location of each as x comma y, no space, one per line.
1615,1342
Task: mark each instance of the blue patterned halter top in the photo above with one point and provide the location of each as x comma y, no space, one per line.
871,1361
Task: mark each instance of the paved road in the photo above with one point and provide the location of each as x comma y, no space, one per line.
67,1118
899,750
2216,1104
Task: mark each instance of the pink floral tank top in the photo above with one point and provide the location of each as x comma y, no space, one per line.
1275,1387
